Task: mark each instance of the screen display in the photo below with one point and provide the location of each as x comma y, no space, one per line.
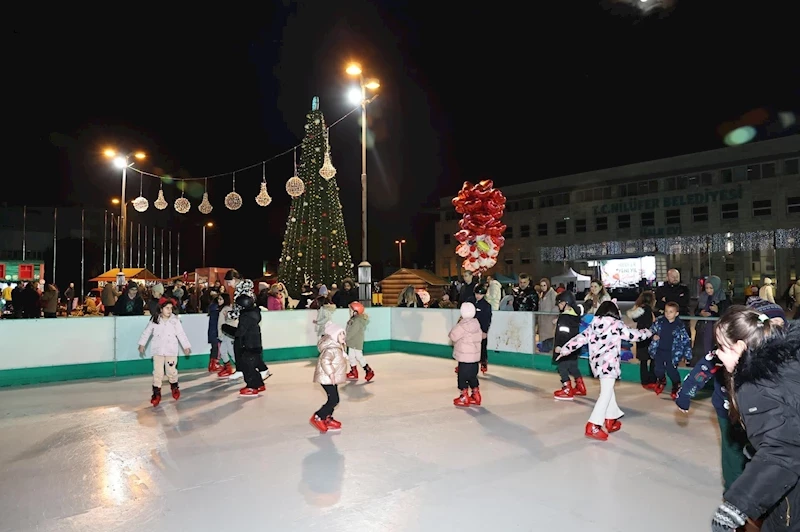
619,273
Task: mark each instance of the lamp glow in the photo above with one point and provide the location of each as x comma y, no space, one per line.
109,153
210,224
354,96
354,69
372,84
115,201
120,162
140,155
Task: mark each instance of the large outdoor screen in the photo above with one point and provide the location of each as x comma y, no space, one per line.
619,273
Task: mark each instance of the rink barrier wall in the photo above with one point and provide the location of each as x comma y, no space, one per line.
63,349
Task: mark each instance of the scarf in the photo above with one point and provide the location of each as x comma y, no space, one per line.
245,287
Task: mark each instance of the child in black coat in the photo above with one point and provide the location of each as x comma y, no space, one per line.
483,311
567,327
247,344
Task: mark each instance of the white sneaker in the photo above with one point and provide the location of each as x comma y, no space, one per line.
265,375
237,375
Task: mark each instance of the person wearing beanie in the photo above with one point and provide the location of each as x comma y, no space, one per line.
130,303
356,328
568,326
767,292
483,312
157,293
331,371
733,438
467,338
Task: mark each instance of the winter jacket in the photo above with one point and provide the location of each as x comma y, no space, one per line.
767,292
356,327
681,342
306,298
706,369
109,295
126,306
643,317
274,303
767,392
672,293
567,328
50,301
166,337
507,303
604,336
332,365
526,299
589,302
247,336
213,323
467,292
547,303
324,315
483,312
494,294
225,319
466,337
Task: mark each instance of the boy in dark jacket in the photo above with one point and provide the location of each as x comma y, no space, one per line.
567,327
483,311
247,344
213,332
670,344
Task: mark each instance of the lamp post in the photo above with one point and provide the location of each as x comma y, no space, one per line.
400,247
364,268
123,162
209,224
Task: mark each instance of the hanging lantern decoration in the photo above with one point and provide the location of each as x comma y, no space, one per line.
160,203
327,171
295,186
182,204
205,206
141,204
233,200
263,199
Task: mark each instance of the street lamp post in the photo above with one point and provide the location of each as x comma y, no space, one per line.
122,161
364,268
400,247
209,224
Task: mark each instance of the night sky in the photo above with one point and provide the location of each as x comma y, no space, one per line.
467,93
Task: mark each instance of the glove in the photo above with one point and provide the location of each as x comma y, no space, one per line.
727,518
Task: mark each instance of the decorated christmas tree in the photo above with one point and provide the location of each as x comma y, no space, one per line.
315,246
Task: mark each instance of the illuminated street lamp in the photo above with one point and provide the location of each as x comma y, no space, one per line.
400,247
122,161
360,97
209,224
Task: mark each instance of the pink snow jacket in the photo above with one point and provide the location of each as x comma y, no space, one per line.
466,337
604,336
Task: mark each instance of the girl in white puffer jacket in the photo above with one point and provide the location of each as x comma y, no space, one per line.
168,337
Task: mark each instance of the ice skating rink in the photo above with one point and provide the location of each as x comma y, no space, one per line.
95,455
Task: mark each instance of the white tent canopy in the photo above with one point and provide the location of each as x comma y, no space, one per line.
582,282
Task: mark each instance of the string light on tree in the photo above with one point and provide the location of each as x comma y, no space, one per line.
233,200
315,242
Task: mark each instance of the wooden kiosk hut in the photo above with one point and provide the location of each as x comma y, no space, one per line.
393,285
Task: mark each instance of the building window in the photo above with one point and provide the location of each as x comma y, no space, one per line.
542,229
793,205
524,257
677,182
753,172
762,208
446,238
699,180
730,211
580,225
601,223
700,214
648,219
624,221
561,227
727,175
509,232
524,231
768,170
673,217
790,167
554,200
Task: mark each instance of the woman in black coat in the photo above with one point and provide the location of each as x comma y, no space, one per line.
761,358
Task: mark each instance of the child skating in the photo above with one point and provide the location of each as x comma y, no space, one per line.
247,346
226,353
168,337
467,337
670,344
604,336
356,327
483,312
567,328
213,333
324,315
330,372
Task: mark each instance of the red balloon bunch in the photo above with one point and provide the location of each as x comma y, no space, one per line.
480,237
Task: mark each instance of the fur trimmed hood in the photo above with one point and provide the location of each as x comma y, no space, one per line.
767,361
635,312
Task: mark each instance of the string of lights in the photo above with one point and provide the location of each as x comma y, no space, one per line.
254,165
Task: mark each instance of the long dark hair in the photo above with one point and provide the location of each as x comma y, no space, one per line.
163,302
749,326
226,298
646,298
607,308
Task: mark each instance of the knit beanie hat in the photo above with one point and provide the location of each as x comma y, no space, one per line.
765,307
467,310
158,290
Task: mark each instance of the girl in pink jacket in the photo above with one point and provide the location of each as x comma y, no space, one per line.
466,337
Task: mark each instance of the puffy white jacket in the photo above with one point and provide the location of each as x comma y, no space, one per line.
225,319
166,335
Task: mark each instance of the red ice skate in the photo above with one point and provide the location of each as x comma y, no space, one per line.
580,387
675,390
353,373
595,432
262,388
475,398
484,368
566,393
370,374
227,370
613,425
176,393
213,366
156,397
248,392
332,424
456,371
318,423
463,399
660,385
651,386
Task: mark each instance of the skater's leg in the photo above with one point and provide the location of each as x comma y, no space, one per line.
358,356
225,349
732,450
598,416
215,350
563,370
660,366
573,369
471,374
462,377
484,352
351,356
333,399
158,370
172,369
612,411
250,365
674,375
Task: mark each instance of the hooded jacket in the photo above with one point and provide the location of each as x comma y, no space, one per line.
168,337
332,364
604,336
466,337
767,391
567,328
356,329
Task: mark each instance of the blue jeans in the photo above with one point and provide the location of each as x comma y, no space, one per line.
547,345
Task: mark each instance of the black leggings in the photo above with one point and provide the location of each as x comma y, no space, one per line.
484,352
333,399
467,375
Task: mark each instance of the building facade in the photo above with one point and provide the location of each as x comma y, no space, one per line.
732,212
